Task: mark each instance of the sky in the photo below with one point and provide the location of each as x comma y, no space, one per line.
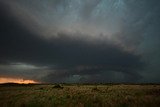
80,41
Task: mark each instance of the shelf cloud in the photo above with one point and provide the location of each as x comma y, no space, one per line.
87,41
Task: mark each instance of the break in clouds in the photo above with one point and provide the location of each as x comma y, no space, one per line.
80,40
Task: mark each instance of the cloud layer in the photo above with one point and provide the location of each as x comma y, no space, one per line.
80,41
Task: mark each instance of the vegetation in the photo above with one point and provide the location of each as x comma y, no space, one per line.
58,86
79,95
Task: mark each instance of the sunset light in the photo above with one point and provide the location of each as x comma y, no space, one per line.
16,80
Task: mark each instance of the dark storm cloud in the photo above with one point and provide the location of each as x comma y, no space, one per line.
144,17
65,55
77,56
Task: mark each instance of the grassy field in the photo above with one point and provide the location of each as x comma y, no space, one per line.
80,96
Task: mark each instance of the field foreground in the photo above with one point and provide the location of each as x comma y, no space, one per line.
80,95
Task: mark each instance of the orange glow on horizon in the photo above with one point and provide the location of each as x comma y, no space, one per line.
15,80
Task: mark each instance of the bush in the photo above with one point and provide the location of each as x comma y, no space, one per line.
58,86
95,89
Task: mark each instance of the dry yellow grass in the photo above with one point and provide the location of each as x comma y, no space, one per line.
80,96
